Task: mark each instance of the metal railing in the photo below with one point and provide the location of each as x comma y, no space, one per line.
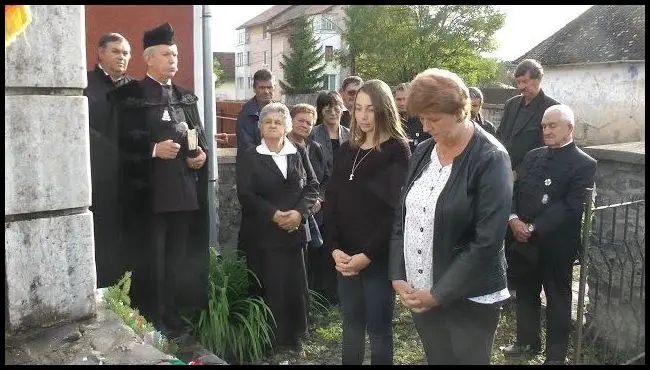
610,327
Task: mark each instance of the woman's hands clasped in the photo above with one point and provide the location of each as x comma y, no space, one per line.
287,220
417,301
350,265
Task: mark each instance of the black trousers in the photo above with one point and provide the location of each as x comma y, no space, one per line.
168,247
461,333
367,302
555,278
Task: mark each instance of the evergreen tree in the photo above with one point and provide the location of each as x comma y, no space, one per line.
303,69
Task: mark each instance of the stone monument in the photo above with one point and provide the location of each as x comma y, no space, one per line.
49,252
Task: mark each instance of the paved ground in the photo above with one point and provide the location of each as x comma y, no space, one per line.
102,340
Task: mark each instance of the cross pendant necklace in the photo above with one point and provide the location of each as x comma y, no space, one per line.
355,165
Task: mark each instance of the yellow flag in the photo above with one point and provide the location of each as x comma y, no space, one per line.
17,17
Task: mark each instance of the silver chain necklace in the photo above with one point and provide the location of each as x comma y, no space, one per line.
355,165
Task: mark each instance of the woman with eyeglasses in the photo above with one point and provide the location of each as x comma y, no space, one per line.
329,133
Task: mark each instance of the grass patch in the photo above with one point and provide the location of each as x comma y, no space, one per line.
324,344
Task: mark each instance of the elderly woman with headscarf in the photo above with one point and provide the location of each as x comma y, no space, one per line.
277,189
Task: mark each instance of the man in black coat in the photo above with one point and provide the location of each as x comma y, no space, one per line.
520,129
248,134
163,186
114,53
546,218
476,97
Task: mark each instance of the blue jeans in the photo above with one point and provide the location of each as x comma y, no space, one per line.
367,301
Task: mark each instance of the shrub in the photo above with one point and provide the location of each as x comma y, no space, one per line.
235,326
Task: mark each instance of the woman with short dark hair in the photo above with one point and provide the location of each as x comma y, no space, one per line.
447,260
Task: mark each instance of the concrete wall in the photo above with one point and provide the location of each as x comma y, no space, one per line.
132,21
607,98
229,207
49,251
493,113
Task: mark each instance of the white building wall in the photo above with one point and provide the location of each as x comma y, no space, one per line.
242,71
226,91
607,98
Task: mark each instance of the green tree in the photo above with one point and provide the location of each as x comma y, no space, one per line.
217,70
396,42
303,68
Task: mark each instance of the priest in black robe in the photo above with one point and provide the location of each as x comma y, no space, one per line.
163,187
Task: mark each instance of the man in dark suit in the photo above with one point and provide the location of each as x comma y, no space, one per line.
520,129
113,56
476,97
248,134
163,186
546,218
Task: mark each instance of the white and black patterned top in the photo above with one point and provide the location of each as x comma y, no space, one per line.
419,230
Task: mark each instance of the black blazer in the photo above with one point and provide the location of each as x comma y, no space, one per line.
470,221
526,136
262,190
562,175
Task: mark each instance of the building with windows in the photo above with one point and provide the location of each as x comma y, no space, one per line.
263,40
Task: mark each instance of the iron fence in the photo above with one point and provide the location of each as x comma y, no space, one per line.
610,325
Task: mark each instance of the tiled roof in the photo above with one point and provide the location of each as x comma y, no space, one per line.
603,33
227,61
265,16
297,11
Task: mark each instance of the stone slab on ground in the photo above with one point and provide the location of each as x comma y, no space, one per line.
103,339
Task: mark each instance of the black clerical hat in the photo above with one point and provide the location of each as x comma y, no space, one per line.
161,35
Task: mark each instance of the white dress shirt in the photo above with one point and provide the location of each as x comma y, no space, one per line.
280,158
419,230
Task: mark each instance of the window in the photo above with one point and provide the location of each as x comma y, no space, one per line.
329,82
329,53
241,36
264,57
240,59
250,82
326,24
248,38
266,31
248,58
240,82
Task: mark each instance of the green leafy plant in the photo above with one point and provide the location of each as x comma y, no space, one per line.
117,300
235,326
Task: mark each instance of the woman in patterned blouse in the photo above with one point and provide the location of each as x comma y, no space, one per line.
447,261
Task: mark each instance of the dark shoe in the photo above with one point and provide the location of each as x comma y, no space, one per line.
520,350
